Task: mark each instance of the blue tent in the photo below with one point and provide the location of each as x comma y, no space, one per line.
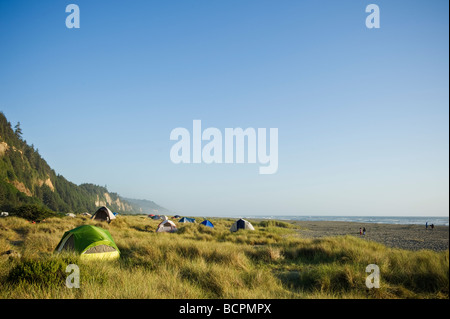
187,220
207,223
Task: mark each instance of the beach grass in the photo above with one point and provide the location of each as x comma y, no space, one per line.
274,261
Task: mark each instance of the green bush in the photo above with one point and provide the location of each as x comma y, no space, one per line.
275,223
33,212
49,272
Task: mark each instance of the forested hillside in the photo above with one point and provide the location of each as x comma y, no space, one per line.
26,178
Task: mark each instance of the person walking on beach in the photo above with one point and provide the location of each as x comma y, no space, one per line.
364,231
360,231
426,225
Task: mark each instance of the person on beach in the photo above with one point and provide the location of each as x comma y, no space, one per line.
432,226
360,231
364,231
426,225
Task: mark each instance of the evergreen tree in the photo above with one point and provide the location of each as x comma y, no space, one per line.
18,130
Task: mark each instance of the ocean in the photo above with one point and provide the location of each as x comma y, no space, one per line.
437,221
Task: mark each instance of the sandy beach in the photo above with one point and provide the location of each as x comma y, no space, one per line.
411,237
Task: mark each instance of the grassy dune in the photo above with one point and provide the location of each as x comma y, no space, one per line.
198,262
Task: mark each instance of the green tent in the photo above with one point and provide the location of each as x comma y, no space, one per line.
90,242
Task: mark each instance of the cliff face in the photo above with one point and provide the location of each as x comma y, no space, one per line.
3,148
26,178
120,205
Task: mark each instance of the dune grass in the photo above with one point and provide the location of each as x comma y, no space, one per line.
200,262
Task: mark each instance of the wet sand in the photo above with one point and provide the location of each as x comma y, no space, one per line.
411,237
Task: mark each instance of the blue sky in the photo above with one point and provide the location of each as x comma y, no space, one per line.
362,113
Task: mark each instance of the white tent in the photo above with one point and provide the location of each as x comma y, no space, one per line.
103,214
166,226
71,215
241,224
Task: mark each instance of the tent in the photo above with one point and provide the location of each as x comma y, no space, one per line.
71,215
164,217
166,226
187,220
207,223
241,224
90,242
176,216
103,214
151,215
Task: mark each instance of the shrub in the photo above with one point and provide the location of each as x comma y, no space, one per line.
49,272
275,223
33,212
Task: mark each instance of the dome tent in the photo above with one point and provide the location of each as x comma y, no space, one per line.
187,220
166,226
90,242
241,224
207,223
103,214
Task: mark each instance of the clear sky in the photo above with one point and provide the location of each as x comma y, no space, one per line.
362,114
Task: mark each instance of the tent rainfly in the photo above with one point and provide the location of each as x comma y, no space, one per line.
103,214
207,223
90,242
241,224
187,220
166,226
